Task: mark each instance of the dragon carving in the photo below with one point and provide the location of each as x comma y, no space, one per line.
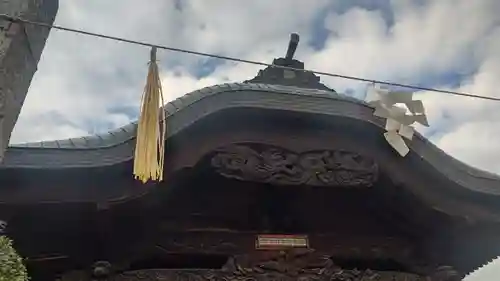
281,167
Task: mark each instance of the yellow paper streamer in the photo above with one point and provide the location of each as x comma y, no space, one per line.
151,128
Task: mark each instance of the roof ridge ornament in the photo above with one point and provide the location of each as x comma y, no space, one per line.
292,46
288,77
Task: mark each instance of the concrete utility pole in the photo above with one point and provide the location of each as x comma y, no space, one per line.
21,46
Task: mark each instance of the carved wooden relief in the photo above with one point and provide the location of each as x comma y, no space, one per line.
278,166
213,275
293,265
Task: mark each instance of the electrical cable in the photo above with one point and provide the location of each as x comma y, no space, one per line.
17,19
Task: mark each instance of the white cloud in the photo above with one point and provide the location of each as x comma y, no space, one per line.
86,82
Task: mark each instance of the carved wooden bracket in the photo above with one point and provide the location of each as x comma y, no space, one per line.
281,167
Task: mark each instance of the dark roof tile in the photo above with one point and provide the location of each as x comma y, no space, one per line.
118,146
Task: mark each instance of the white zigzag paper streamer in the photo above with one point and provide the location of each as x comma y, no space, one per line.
398,121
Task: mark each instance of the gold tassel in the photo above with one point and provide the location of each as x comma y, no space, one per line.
151,128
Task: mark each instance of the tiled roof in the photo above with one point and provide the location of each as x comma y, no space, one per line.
118,145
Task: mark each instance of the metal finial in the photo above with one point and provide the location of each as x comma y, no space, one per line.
292,46
152,54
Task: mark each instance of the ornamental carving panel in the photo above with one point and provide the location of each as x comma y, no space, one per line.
278,166
293,265
217,275
297,264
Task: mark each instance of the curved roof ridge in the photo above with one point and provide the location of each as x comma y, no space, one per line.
117,146
127,132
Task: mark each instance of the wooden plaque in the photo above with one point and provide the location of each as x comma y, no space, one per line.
279,241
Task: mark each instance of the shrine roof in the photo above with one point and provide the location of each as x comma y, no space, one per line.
117,146
287,87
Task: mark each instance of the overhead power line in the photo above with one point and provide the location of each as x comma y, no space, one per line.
18,19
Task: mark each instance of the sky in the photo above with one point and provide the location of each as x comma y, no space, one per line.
88,85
